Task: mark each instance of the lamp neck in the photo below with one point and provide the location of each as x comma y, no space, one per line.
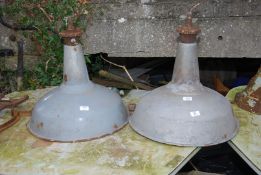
186,70
75,71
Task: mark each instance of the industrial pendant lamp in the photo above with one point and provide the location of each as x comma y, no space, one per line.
78,109
184,112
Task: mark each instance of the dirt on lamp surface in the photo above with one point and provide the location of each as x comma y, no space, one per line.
250,98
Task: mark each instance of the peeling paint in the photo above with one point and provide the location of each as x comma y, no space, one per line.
257,84
251,103
248,138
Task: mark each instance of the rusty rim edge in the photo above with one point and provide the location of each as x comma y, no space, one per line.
76,141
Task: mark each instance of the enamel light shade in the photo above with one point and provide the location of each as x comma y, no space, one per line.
184,112
78,109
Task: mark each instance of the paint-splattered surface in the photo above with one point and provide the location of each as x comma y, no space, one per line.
248,139
124,152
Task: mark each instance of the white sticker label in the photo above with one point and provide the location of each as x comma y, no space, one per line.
84,108
187,98
194,113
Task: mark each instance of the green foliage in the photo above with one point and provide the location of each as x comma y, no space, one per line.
94,62
48,18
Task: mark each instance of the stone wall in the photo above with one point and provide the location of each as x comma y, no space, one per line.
6,43
147,28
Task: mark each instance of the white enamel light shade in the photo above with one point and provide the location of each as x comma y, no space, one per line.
184,112
78,109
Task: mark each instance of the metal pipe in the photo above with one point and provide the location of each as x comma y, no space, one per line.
20,64
75,70
186,68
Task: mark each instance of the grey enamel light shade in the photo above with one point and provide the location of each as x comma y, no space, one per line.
184,112
78,109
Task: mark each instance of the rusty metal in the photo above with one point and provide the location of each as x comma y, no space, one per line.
71,35
9,123
250,98
80,140
188,31
16,115
21,113
10,103
131,108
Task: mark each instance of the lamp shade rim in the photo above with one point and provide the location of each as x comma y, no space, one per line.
76,140
176,143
